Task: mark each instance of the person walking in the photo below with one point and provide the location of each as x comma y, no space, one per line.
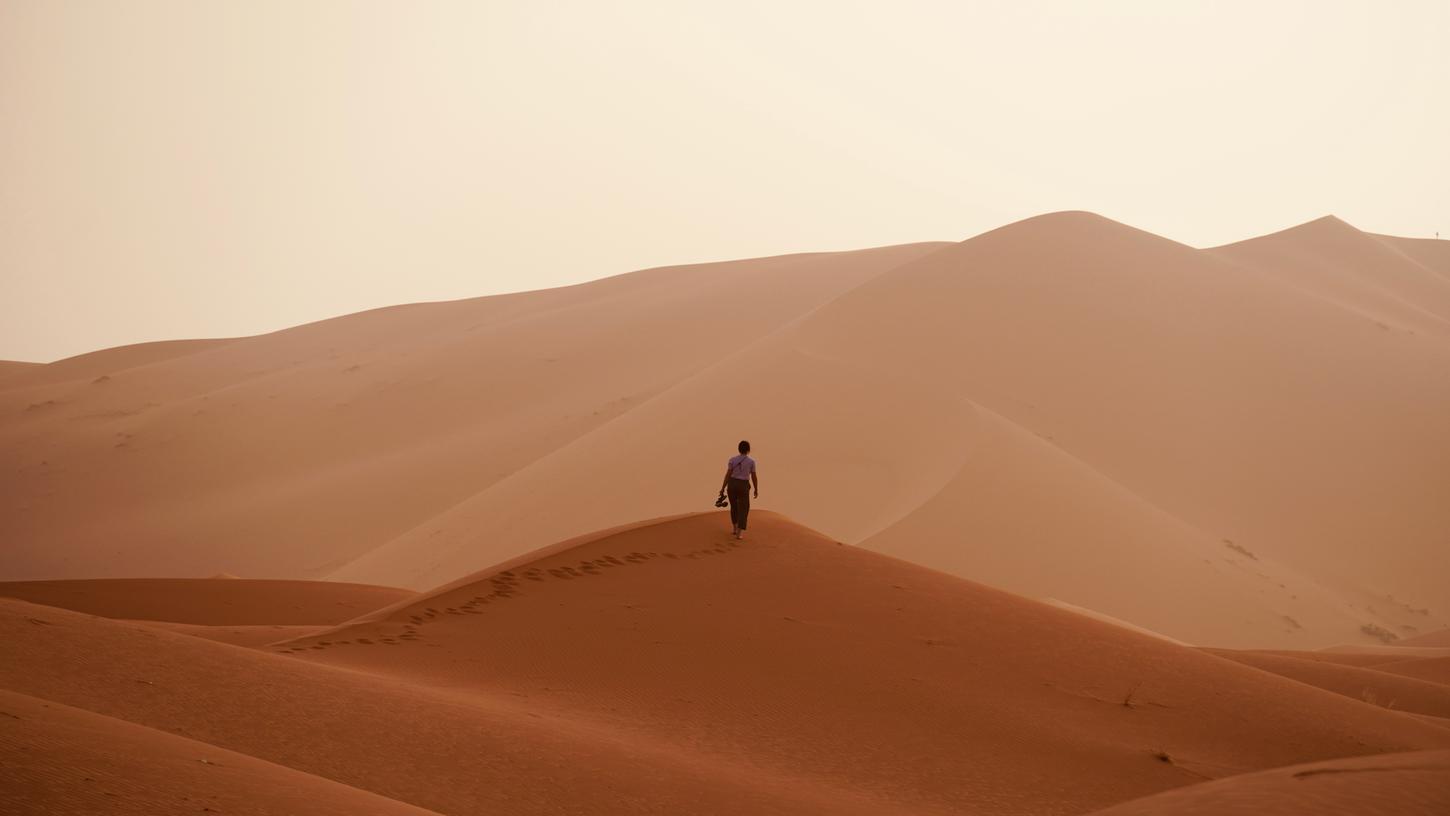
739,475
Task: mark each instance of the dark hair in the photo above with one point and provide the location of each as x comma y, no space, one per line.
743,447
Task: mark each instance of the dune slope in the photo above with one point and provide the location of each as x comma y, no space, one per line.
1408,784
451,753
792,652
1373,685
55,759
210,601
287,455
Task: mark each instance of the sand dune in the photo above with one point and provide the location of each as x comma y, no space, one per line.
663,667
1355,270
1432,669
289,454
1199,442
1433,254
13,368
105,362
1373,685
1407,784
861,672
56,759
238,635
210,602
442,751
1438,639
1082,426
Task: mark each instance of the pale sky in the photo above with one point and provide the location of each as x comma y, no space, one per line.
208,168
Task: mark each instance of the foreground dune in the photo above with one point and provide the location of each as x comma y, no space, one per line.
455,754
1196,441
664,667
863,673
1408,784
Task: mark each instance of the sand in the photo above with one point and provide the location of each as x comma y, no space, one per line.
1440,638
55,759
787,673
1408,784
211,602
1372,684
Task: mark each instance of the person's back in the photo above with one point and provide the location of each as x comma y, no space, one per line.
741,466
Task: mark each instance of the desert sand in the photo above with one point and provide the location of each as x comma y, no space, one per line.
58,759
1060,518
209,601
664,665
1417,782
1437,639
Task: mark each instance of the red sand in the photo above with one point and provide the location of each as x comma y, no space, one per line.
210,601
666,667
1409,784
55,759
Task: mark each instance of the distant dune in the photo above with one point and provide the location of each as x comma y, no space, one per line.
210,601
664,667
1229,446
1372,684
1440,638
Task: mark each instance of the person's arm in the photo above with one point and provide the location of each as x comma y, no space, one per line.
725,481
756,480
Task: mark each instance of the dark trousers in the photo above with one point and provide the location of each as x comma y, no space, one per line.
738,491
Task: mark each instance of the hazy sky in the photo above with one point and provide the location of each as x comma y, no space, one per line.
190,168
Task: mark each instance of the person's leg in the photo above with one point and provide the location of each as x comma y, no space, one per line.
744,508
734,494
